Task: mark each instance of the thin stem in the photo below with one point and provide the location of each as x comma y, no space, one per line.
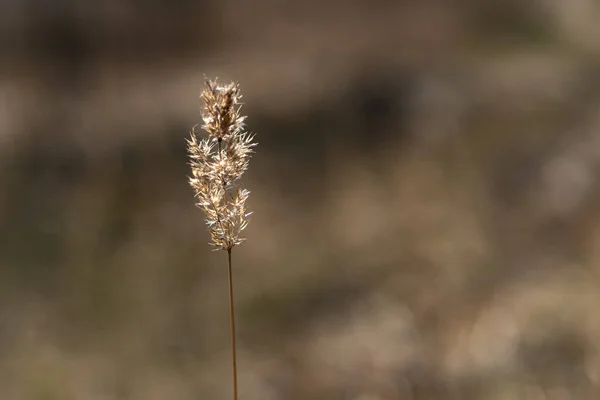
232,322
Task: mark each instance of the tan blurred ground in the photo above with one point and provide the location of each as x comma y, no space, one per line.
425,193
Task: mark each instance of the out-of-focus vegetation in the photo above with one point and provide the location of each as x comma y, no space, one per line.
426,202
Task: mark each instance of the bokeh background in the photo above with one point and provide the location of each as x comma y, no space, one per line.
427,209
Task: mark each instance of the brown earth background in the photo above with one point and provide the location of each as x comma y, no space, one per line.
427,207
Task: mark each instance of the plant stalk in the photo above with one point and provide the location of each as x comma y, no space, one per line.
232,324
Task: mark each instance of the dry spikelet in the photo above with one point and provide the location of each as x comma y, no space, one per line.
218,162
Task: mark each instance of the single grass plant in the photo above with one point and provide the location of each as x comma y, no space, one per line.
218,162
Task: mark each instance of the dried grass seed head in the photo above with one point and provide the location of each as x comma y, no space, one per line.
218,162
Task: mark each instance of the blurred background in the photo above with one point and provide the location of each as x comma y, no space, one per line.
427,210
